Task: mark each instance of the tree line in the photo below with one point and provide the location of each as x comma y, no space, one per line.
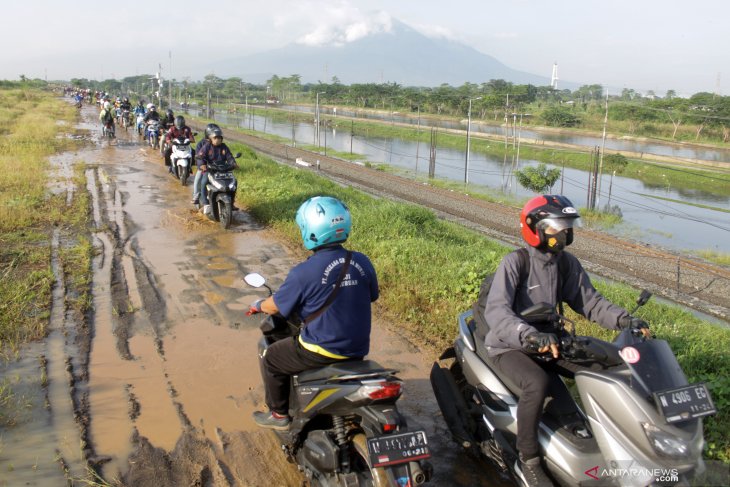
495,100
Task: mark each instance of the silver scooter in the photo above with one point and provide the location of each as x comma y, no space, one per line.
636,420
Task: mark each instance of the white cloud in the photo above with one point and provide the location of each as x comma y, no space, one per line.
344,24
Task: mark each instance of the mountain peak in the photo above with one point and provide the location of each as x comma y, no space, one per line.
376,50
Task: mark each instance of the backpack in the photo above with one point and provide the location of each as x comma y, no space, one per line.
480,304
107,117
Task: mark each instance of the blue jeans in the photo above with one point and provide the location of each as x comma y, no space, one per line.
196,184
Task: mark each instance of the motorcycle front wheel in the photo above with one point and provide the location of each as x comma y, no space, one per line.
184,173
225,213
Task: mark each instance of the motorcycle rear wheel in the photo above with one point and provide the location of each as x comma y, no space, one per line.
379,475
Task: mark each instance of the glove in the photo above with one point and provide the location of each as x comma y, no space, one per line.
632,323
537,341
254,307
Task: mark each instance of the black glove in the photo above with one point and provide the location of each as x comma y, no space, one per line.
632,323
536,341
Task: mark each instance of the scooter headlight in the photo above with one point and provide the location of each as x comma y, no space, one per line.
665,443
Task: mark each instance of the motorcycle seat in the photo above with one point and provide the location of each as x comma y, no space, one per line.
345,370
559,402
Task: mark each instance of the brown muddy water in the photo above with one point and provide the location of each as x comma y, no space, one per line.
157,385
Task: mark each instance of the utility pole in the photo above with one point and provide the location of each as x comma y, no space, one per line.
468,140
603,148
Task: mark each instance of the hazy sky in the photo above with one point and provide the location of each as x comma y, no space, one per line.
640,44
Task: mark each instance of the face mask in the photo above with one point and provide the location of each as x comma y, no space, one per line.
556,243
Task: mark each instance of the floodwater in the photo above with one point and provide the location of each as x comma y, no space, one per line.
172,375
646,217
512,129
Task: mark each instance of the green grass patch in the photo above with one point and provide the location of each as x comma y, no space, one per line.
600,219
688,203
30,134
721,258
430,270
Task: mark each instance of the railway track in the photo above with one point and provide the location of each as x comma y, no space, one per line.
698,284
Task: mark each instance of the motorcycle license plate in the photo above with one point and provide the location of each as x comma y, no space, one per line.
684,403
400,448
223,175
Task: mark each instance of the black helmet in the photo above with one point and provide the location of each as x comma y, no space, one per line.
169,113
126,100
216,132
209,129
179,122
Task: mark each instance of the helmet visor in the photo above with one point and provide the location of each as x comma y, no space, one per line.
558,224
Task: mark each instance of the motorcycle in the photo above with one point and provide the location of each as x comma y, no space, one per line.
140,124
108,129
125,119
637,420
152,133
181,159
346,429
221,188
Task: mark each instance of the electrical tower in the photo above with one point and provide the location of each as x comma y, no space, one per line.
554,77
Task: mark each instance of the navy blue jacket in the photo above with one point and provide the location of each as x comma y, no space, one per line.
343,330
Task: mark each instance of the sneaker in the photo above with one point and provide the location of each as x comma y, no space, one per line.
207,210
532,473
194,201
271,420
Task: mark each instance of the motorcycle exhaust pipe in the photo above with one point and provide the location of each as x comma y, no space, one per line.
417,473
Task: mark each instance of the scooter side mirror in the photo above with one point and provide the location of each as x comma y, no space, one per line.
643,298
255,279
237,155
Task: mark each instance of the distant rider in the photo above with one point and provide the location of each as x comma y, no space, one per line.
106,116
199,173
178,131
212,152
339,331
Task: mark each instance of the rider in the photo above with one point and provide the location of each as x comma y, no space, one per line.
213,151
106,116
340,331
178,131
199,173
168,120
553,276
150,116
125,105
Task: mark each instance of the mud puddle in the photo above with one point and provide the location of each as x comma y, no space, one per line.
170,377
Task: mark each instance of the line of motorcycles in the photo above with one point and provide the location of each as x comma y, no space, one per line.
222,184
635,421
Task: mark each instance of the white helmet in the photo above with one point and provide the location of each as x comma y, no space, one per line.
107,105
149,105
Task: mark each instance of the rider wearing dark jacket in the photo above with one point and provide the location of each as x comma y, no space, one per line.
178,131
216,153
553,276
340,331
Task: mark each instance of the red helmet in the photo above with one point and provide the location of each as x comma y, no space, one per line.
544,211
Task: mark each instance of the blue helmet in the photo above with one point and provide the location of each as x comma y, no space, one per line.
323,220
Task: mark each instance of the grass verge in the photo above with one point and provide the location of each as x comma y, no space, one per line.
430,270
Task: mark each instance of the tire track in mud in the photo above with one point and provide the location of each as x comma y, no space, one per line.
137,310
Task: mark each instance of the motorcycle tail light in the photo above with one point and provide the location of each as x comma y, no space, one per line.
385,390
378,390
389,428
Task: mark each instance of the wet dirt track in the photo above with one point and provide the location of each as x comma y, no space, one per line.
163,384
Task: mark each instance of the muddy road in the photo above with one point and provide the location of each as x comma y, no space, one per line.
156,386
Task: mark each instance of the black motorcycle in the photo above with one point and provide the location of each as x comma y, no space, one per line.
346,429
221,189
